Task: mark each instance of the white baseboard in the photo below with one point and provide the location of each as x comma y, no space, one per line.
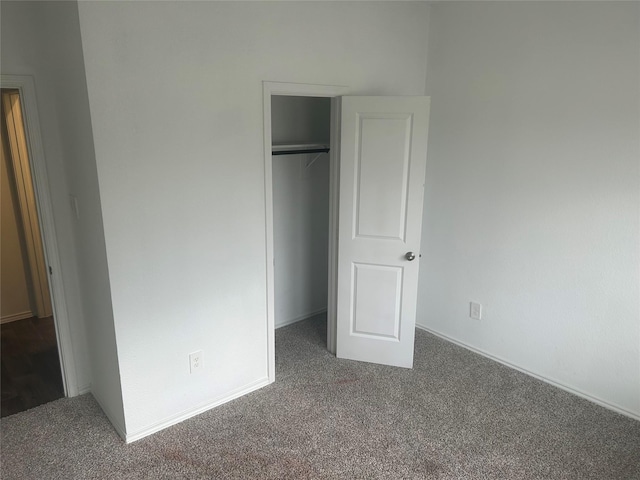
16,316
550,381
174,419
84,389
117,426
299,318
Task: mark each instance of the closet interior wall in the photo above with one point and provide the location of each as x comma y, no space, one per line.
300,208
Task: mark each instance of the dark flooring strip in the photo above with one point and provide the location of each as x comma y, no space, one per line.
30,365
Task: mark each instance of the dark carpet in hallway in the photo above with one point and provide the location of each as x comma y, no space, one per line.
30,365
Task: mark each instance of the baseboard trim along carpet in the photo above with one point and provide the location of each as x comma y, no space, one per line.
550,381
83,389
117,426
300,318
168,422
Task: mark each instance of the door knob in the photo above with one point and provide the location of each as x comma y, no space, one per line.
410,256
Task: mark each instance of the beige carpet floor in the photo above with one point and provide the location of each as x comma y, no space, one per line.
456,415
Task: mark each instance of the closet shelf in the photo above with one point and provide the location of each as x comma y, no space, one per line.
292,149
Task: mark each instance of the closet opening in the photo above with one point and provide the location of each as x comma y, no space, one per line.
301,140
301,243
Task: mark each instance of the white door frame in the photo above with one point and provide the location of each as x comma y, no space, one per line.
26,87
301,90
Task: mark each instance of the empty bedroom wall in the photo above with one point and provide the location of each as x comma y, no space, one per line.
175,90
66,63
532,204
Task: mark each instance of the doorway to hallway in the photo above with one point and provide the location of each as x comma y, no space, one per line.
30,370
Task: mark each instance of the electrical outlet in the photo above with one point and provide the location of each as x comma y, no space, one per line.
475,311
195,361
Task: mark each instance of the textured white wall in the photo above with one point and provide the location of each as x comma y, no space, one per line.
300,119
175,90
300,208
532,199
65,62
30,37
301,236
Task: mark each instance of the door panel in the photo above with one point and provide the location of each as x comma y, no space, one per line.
377,295
382,168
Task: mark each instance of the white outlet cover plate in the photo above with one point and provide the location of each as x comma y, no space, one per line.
475,310
195,361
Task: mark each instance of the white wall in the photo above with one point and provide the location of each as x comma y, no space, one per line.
175,90
301,236
14,293
29,38
300,208
300,119
43,39
532,199
65,63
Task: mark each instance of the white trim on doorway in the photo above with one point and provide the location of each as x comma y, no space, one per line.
26,87
299,90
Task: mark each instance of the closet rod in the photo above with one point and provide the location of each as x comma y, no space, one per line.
298,151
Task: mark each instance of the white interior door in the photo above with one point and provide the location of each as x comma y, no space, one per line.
382,171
